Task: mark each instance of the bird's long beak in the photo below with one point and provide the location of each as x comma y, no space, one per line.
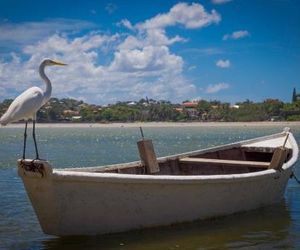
59,63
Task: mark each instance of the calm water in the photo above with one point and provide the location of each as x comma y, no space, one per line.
277,226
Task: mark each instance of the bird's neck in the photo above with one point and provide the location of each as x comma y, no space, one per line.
47,92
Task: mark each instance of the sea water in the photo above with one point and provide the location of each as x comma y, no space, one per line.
276,226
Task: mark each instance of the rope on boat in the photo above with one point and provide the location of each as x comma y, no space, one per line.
293,175
286,138
142,133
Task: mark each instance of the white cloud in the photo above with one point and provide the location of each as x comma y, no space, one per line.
152,31
236,35
159,37
29,32
58,43
152,37
203,51
126,23
106,68
132,74
131,42
220,1
111,8
214,88
190,16
148,59
193,67
223,63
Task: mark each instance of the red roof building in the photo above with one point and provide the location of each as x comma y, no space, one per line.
190,104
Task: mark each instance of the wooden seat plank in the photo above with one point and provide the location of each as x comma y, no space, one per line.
258,164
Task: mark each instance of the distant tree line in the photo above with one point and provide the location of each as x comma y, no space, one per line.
70,110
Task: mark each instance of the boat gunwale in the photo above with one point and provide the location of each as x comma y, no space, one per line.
176,156
75,175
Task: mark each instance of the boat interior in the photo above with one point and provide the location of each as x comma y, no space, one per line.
234,160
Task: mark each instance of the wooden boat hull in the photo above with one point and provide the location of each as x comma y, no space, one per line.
71,202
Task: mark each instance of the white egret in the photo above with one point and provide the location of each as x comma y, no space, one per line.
26,105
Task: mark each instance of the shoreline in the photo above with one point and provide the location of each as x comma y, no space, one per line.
157,124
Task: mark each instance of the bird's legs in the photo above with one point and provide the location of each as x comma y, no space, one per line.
34,139
25,137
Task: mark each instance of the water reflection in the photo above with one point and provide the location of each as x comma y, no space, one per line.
237,231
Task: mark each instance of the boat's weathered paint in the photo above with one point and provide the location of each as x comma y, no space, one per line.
69,202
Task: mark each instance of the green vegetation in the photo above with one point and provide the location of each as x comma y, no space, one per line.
70,110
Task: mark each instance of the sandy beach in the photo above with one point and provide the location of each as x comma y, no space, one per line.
159,124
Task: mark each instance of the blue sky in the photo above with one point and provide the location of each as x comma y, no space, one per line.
230,50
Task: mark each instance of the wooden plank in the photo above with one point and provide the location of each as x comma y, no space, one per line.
279,157
258,164
148,156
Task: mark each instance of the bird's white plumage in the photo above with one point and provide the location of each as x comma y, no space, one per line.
30,101
24,106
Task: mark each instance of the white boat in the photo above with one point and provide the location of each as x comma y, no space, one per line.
191,186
